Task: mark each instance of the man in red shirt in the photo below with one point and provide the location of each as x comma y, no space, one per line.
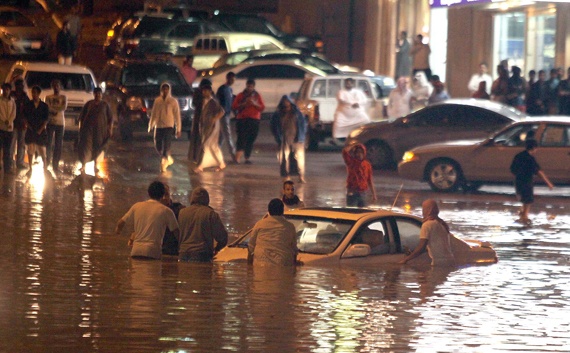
249,106
359,178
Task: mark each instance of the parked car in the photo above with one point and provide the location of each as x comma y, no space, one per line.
386,141
158,34
77,82
316,98
258,24
470,164
131,86
356,236
20,36
273,78
209,47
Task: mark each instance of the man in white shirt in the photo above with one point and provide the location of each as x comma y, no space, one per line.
57,103
151,219
166,122
7,117
350,111
482,75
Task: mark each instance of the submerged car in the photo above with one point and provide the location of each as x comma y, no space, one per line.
19,35
353,236
454,119
470,164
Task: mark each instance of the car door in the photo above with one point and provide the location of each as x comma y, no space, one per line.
379,237
553,153
491,160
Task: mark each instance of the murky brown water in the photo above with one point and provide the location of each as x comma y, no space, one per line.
68,285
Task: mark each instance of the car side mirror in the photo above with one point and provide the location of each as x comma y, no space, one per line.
357,250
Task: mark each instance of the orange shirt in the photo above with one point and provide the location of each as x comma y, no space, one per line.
249,109
359,172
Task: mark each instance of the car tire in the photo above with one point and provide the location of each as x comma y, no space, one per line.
379,154
444,175
313,141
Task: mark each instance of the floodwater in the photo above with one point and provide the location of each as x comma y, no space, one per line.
67,283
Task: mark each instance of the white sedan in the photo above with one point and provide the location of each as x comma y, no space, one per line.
273,78
352,236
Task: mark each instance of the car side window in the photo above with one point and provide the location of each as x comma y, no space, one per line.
442,117
186,30
255,72
374,235
319,89
516,135
408,234
555,136
289,72
333,88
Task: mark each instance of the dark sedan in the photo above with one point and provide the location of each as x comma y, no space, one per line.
454,119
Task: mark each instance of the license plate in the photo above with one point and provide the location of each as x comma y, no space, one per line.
36,45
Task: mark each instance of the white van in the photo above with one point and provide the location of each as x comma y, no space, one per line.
317,100
78,83
208,47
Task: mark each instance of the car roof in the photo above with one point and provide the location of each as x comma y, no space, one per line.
51,67
293,62
549,119
496,107
345,213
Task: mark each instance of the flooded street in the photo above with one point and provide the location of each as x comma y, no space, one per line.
67,283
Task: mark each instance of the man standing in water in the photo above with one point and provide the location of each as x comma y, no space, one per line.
225,96
151,218
166,122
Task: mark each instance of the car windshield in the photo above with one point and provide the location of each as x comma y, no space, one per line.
149,26
314,235
69,81
144,75
14,19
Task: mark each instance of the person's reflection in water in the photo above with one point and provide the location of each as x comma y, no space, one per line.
432,278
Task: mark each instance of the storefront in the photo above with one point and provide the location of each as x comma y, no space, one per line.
529,34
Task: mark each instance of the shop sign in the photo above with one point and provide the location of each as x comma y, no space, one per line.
448,3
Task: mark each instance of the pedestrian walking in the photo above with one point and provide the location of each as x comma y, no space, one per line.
400,99
249,106
290,199
420,56
36,113
151,219
481,76
359,175
403,60
21,99
524,166
564,95
273,239
434,237
7,117
225,97
350,111
167,123
57,103
202,233
209,132
289,128
65,45
95,129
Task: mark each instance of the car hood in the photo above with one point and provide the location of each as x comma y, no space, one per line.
152,91
26,32
448,145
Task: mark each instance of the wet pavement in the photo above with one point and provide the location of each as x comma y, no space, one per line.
67,283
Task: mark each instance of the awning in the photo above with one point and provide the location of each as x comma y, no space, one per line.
448,3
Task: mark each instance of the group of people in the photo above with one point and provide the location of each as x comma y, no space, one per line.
38,127
536,96
196,233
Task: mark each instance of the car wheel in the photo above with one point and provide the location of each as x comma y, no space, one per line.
444,175
379,154
313,143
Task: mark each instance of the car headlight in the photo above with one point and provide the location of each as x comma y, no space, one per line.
410,156
356,132
134,103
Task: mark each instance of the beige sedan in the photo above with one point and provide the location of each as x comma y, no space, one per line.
469,164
